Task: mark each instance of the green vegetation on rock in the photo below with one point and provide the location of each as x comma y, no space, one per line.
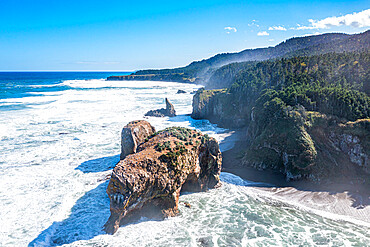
295,110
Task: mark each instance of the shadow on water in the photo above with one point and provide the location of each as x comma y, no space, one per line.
89,213
87,218
99,165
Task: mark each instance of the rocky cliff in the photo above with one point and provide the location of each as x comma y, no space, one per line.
298,143
311,145
220,107
149,182
133,134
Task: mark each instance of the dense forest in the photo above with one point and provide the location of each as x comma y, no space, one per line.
286,103
333,83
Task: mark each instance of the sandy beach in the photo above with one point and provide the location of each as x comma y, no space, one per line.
344,200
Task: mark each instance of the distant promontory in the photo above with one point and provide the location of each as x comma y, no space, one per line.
174,77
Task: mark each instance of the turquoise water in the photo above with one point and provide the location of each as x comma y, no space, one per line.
60,137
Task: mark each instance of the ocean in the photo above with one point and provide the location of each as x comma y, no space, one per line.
60,139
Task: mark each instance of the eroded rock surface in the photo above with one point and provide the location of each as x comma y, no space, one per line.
220,107
133,134
149,182
168,112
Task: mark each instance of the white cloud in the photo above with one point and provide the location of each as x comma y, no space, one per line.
278,28
271,40
264,33
310,34
360,19
230,29
253,24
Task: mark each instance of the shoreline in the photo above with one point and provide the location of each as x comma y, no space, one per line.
347,200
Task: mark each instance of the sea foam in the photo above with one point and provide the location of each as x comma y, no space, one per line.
56,152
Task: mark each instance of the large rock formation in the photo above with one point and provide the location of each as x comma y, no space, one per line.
133,134
311,145
220,107
149,182
168,112
298,143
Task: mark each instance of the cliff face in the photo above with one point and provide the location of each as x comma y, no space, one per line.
311,145
133,134
149,182
298,143
220,107
353,140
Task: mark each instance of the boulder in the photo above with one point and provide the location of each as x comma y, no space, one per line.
180,91
168,112
148,183
133,134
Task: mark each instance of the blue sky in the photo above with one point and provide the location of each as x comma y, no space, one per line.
80,35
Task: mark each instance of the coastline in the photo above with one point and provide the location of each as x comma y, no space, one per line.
347,200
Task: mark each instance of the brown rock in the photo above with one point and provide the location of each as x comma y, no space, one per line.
170,109
148,183
133,134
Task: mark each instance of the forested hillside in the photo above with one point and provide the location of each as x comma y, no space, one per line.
293,108
202,71
333,83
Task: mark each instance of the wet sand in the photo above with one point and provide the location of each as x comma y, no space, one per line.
342,200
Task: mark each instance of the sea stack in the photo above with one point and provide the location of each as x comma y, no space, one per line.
168,112
148,182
